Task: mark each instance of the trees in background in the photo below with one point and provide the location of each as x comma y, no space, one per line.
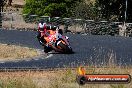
51,8
115,9
85,10
111,10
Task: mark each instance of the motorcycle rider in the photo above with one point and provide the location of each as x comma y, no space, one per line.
42,32
41,28
41,35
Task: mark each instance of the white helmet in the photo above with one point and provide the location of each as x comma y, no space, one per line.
41,25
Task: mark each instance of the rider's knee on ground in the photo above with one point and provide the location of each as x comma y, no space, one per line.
47,49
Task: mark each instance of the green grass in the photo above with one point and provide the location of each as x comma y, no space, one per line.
59,79
17,83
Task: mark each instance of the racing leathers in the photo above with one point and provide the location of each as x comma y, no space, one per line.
43,32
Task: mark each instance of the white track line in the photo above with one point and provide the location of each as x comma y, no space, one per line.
35,59
2,62
28,60
49,56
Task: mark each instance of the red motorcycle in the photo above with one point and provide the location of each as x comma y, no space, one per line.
58,42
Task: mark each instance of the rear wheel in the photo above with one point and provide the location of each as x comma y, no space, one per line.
47,49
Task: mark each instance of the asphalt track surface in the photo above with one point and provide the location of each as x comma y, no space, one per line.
93,50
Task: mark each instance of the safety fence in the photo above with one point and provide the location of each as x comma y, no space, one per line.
90,27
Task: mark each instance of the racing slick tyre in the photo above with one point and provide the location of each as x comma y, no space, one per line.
65,48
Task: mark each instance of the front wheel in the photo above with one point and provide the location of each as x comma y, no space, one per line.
65,48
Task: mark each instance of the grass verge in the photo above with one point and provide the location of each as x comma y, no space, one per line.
65,78
11,52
